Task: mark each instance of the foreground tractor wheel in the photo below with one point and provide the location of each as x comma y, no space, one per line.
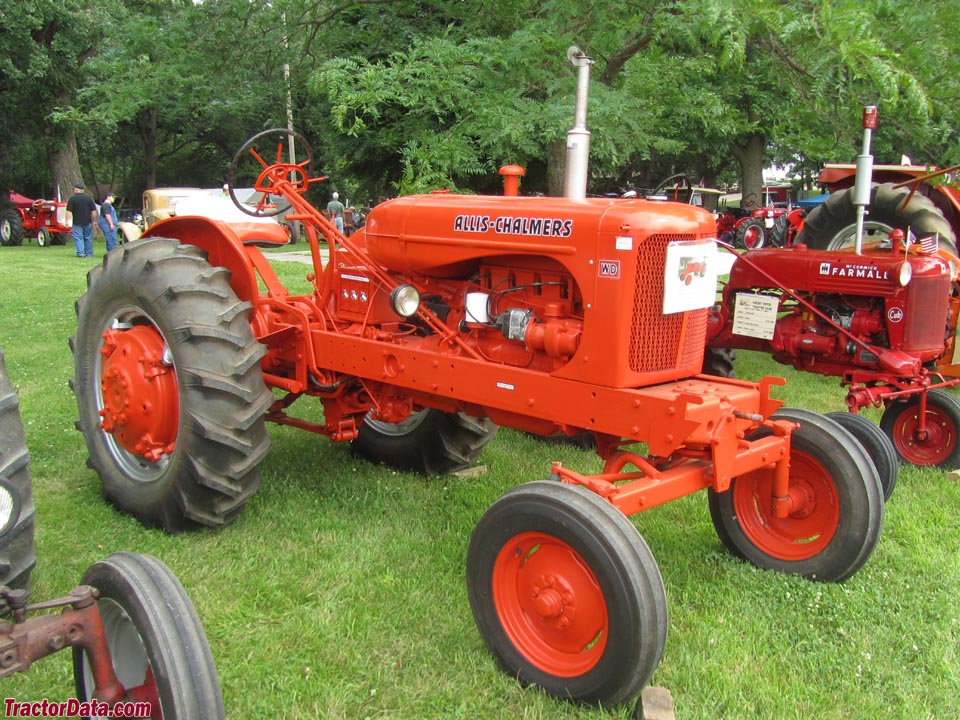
751,234
833,224
838,506
566,594
430,442
17,554
878,446
937,444
11,228
169,387
157,644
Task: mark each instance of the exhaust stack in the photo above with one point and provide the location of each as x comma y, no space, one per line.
578,139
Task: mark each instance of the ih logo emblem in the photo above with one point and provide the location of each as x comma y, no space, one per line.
610,268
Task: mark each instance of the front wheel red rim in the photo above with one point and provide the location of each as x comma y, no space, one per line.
550,604
932,446
812,522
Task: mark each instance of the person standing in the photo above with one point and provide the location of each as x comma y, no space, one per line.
83,211
108,221
335,208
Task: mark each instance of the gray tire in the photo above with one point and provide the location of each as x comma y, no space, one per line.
177,438
157,645
11,228
17,553
429,442
832,224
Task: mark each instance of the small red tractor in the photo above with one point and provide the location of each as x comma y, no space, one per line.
44,220
444,316
138,647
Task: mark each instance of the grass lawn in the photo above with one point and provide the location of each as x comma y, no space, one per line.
339,592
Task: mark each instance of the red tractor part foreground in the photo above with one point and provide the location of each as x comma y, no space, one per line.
875,320
443,316
44,220
136,639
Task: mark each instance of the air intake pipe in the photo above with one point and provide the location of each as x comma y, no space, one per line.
578,139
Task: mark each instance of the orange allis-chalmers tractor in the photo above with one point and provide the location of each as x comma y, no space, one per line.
445,316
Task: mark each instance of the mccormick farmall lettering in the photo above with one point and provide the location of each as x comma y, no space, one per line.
866,272
505,225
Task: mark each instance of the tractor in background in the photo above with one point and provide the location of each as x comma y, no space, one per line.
441,318
44,220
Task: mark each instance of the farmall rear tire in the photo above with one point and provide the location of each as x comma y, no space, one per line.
879,447
719,362
169,388
429,442
566,594
938,445
157,645
17,554
11,228
751,234
837,523
832,224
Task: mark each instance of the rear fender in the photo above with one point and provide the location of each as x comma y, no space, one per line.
224,248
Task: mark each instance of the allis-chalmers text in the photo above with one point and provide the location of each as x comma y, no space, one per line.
505,225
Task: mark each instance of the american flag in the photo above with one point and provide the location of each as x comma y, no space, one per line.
930,243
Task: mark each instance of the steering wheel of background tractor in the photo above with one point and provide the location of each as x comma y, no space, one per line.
750,202
265,173
674,182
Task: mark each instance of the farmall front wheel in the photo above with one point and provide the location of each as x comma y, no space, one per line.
17,517
936,444
168,385
837,506
832,225
157,645
566,594
429,442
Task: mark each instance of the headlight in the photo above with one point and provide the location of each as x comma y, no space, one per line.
405,300
905,274
9,507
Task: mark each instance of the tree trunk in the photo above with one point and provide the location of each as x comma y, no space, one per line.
147,128
556,162
750,156
63,160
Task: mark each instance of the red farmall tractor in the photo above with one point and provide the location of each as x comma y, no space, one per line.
443,317
44,220
138,647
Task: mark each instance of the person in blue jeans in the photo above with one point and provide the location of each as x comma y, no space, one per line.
83,211
108,222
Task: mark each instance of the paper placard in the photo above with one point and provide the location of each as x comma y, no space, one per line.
690,277
755,315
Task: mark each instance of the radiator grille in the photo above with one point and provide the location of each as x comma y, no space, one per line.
661,342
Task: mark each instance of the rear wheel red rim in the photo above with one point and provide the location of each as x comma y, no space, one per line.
814,518
931,447
550,604
753,237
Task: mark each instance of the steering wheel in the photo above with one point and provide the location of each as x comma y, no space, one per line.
750,203
270,176
676,182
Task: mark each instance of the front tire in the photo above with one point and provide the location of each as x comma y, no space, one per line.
938,445
17,553
838,506
832,224
429,442
879,447
43,237
566,594
157,644
168,385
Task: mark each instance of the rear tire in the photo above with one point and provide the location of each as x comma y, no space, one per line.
17,554
832,224
157,645
751,234
941,445
566,594
879,447
720,362
11,228
429,442
169,387
832,533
